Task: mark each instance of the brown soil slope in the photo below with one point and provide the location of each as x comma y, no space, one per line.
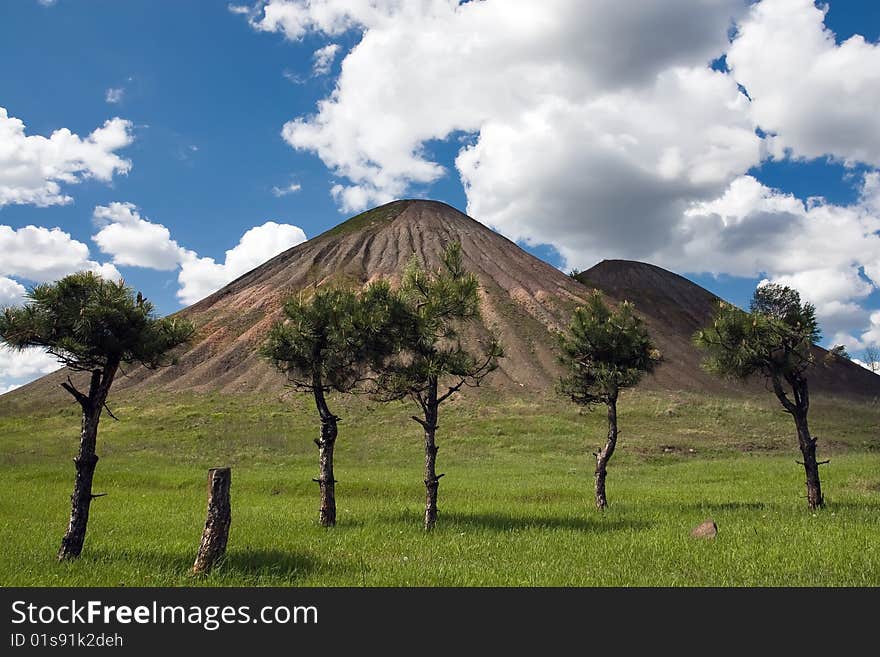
524,301
675,308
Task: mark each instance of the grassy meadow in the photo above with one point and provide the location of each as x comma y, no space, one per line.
516,505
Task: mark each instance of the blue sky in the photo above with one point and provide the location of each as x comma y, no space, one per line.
194,77
531,148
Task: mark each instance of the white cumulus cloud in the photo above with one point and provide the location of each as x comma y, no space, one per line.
816,97
18,363
199,277
42,254
481,67
611,176
19,366
818,248
134,241
871,337
11,292
33,167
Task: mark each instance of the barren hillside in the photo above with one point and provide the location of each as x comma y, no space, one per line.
524,301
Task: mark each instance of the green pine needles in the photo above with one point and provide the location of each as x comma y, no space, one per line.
603,352
88,323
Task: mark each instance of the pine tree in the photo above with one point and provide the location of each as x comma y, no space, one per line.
773,341
433,357
328,341
604,352
91,325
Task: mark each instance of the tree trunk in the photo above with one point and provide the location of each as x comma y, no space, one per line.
325,479
432,480
798,410
811,466
604,455
216,533
81,499
85,462
326,443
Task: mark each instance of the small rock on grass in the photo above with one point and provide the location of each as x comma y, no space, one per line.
707,529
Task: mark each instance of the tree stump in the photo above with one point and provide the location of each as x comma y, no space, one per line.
216,534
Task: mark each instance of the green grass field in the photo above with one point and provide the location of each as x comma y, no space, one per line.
516,505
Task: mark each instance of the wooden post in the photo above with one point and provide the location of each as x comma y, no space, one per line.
216,533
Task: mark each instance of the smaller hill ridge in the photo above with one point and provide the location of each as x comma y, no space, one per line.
675,308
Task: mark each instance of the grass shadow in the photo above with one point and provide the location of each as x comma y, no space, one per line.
712,507
259,563
504,522
830,505
160,559
238,563
149,568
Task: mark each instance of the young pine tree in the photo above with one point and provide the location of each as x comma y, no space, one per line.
433,364
603,352
773,341
91,325
328,342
